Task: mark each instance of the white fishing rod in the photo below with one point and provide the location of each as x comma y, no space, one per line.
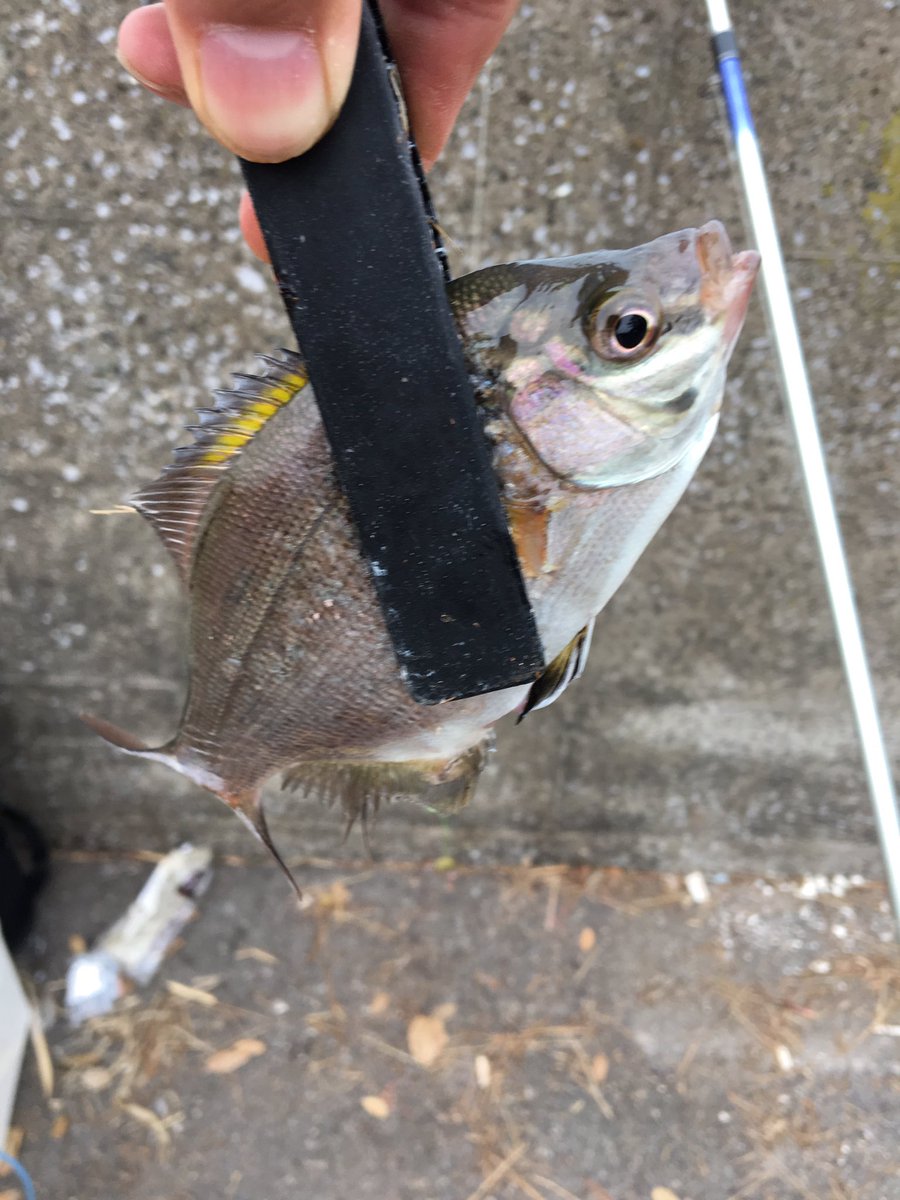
798,395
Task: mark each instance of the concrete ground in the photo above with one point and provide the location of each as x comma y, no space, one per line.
444,1034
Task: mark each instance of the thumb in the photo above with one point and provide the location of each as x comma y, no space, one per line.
266,77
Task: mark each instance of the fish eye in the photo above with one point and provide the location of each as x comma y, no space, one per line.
623,327
631,330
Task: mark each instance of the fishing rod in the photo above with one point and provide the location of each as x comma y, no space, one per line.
799,400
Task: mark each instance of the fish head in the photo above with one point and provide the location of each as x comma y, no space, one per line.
610,365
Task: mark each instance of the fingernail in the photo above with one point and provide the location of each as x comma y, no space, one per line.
263,90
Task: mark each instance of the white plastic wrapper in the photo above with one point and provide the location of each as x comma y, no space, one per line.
134,947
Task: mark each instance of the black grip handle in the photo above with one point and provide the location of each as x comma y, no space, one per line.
351,237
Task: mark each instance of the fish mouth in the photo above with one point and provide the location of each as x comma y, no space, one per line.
726,279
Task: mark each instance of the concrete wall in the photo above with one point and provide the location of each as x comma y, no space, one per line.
713,725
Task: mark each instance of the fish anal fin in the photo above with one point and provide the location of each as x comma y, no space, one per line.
174,503
360,788
568,666
249,807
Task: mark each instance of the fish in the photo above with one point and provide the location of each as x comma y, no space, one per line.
599,380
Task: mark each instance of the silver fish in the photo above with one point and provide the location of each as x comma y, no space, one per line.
600,380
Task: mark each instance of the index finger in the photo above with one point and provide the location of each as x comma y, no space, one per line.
440,46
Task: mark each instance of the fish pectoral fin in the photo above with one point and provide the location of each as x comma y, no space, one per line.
568,666
360,788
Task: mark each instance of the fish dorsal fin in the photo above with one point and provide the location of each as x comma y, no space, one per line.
174,503
568,666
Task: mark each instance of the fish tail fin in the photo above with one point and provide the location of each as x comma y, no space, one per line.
360,788
122,740
249,807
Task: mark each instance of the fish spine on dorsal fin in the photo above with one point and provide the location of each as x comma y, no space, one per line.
175,502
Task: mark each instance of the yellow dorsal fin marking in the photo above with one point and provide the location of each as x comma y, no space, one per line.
175,502
260,406
211,457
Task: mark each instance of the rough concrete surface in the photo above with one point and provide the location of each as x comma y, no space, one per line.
464,1035
712,726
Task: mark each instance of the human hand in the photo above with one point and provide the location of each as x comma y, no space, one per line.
268,77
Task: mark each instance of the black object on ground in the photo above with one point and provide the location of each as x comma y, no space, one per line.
24,864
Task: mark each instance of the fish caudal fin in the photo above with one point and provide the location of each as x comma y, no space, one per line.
123,740
248,806
360,788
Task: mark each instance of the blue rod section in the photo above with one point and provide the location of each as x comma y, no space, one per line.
732,75
24,1177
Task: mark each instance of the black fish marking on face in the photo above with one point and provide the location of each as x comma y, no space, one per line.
681,403
689,320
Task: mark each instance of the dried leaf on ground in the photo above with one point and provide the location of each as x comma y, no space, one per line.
14,1140
193,995
662,1193
376,1106
599,1068
96,1079
42,1054
235,1056
334,898
257,954
587,940
148,1118
60,1127
426,1038
483,1071
11,1194
379,1003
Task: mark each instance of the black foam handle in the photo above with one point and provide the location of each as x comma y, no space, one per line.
348,231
